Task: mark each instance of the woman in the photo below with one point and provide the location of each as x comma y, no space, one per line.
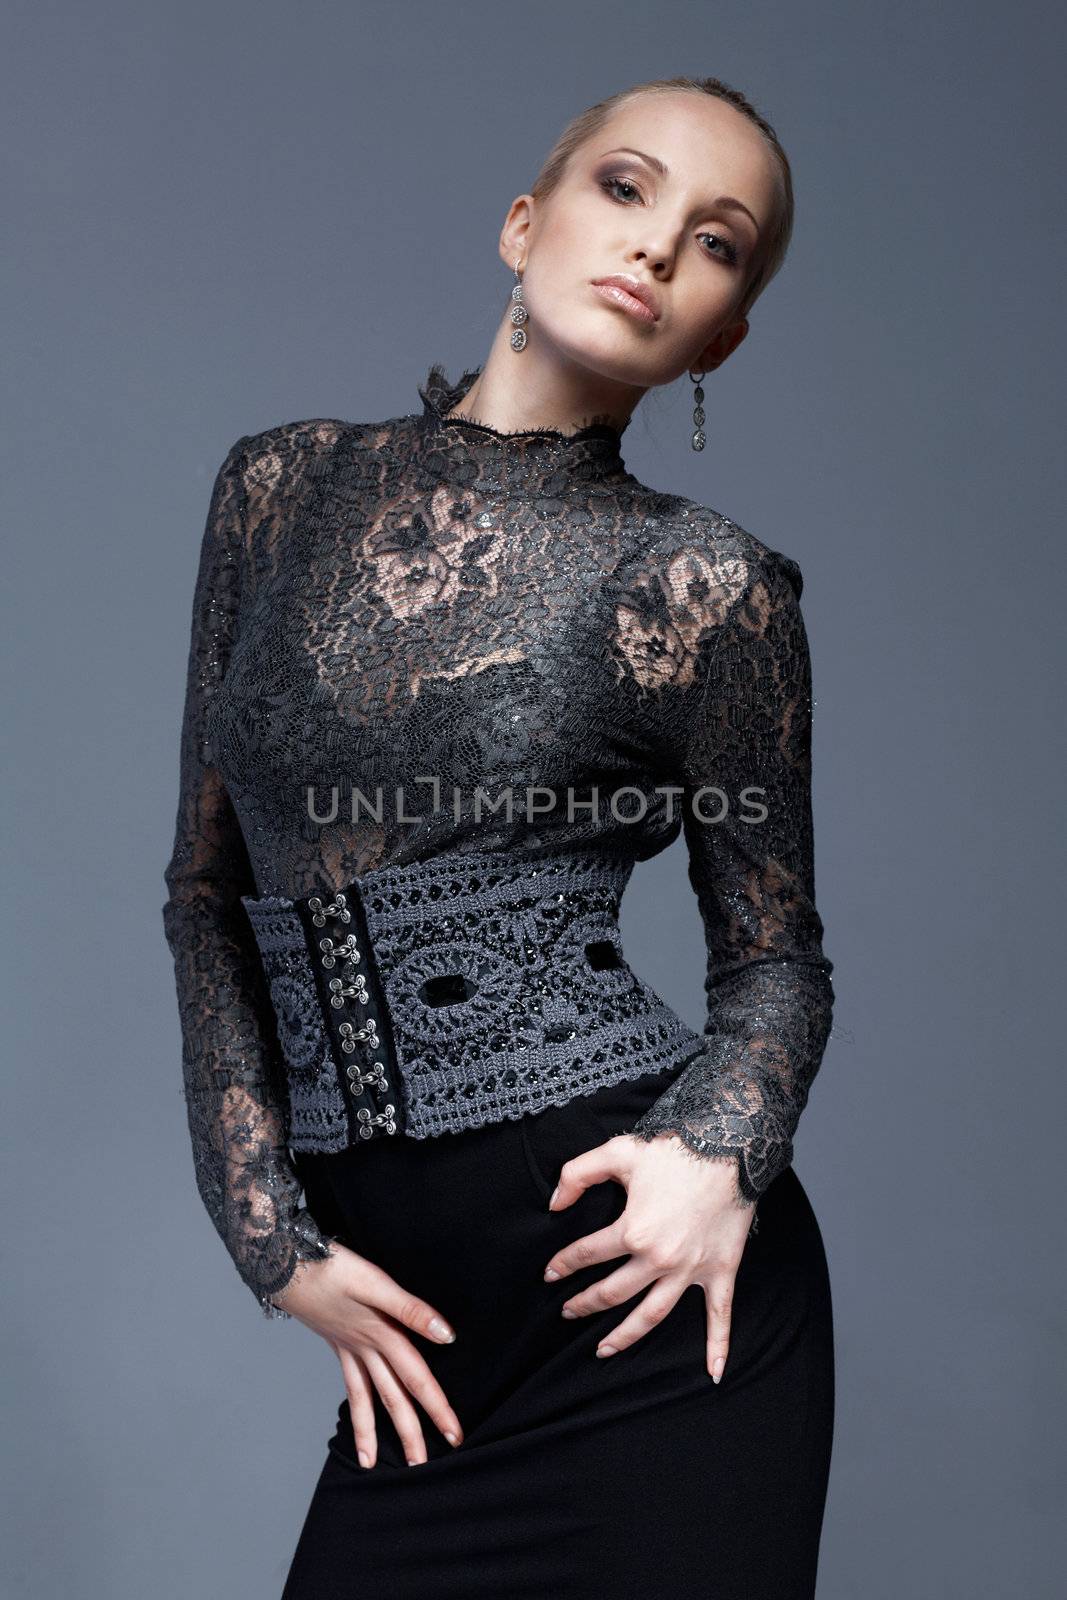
451,675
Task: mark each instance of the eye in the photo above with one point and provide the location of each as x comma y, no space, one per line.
612,185
727,250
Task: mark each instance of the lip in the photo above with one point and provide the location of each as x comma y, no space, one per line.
630,294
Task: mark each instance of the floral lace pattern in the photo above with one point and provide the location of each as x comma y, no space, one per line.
394,620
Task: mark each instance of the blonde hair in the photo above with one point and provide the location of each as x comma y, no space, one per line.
582,127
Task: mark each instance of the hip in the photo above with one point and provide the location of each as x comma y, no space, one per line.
462,1220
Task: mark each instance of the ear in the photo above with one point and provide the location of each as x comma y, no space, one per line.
724,344
515,234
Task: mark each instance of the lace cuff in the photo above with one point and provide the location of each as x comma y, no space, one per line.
307,1243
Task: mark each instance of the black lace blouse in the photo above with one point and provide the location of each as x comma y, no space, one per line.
430,605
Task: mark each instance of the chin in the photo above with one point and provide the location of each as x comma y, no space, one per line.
607,353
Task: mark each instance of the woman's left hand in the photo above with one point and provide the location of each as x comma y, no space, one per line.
685,1222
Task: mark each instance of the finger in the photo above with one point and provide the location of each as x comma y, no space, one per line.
360,1403
614,1290
399,1407
656,1305
375,1287
719,1294
582,1171
410,1367
603,1245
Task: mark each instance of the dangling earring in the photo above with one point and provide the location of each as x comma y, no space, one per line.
699,436
519,313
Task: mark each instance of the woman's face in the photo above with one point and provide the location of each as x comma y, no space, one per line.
692,234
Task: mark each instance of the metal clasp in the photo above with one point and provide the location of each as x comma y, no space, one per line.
367,1122
347,950
340,991
338,907
350,1035
375,1076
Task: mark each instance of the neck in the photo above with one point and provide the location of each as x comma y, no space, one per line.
520,391
471,454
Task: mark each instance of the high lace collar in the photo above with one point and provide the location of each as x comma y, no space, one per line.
526,461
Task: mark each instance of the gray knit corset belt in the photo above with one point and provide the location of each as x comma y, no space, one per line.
446,994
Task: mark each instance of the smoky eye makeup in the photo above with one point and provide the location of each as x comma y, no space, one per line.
619,170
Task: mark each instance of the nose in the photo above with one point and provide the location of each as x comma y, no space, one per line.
657,259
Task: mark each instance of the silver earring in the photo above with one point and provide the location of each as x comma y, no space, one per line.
519,313
699,436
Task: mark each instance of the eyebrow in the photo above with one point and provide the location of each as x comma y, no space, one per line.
725,202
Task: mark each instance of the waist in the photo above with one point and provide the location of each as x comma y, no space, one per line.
441,995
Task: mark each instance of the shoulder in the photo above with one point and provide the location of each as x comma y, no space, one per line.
702,559
694,578
705,533
304,447
265,455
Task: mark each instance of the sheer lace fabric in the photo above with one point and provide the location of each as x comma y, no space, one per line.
415,614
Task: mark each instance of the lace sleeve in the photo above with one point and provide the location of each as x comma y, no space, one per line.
769,995
230,1055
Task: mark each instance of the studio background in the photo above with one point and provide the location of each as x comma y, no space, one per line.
222,217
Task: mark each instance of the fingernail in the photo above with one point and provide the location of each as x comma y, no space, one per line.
568,1313
716,1369
606,1350
452,1438
364,1459
551,1275
441,1330
555,1192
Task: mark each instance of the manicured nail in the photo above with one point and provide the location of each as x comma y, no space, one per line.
551,1274
453,1438
364,1459
568,1313
606,1350
555,1192
441,1330
716,1369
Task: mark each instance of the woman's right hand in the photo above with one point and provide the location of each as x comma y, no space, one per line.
362,1313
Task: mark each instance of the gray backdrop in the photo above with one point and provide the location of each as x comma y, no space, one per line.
220,217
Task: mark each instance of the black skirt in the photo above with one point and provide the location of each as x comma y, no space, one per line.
578,1476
